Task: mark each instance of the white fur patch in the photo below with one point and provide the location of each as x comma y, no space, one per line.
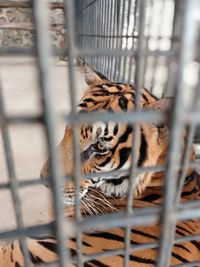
120,190
116,190
67,201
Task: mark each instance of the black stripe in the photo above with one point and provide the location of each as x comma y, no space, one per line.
73,252
115,93
98,263
190,225
145,98
153,96
17,264
188,193
107,235
123,138
86,264
103,77
105,105
178,257
106,129
143,150
188,180
83,105
190,177
49,245
124,153
134,231
35,259
182,228
183,247
151,197
85,133
180,233
96,167
125,135
133,95
118,86
105,92
115,130
116,181
141,260
83,242
108,159
11,254
108,138
196,244
89,100
123,102
101,93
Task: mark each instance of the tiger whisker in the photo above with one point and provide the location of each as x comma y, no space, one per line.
105,202
93,199
86,208
92,208
93,203
99,193
102,195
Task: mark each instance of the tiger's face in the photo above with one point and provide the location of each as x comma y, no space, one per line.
107,146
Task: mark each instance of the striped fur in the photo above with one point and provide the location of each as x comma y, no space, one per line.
108,147
43,249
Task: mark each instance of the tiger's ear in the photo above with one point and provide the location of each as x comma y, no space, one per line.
91,76
164,104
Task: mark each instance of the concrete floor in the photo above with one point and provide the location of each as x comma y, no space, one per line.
21,96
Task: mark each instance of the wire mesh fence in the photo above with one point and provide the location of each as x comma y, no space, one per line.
151,43
154,42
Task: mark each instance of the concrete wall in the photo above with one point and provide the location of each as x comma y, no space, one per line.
25,38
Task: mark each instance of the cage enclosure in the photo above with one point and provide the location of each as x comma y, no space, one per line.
151,44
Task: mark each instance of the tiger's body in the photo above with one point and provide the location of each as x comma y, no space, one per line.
43,249
106,147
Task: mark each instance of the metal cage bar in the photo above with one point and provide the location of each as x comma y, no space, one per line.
113,36
50,120
70,17
12,178
168,214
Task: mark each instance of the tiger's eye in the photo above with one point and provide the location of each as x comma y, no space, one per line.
100,145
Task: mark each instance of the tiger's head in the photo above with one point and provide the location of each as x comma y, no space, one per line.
107,146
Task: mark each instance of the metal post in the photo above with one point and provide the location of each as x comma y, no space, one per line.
50,118
168,218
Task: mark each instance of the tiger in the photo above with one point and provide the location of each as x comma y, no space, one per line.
106,147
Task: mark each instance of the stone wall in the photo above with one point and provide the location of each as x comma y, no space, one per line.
23,37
